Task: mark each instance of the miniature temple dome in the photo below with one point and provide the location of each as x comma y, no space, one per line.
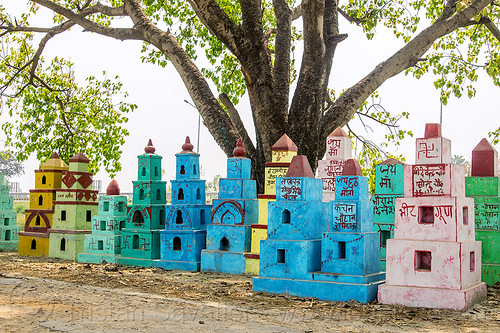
339,132
150,149
113,188
80,157
432,131
239,151
300,167
187,147
54,163
352,168
285,144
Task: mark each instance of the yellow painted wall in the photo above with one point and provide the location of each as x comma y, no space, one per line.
42,246
52,180
252,266
48,197
283,156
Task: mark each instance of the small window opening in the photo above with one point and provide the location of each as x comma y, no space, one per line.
465,213
202,216
180,195
122,224
158,194
106,206
423,261
103,225
198,194
63,215
177,244
178,218
7,235
33,244
40,200
472,261
6,221
224,244
100,245
138,218
194,169
183,171
89,216
156,171
143,171
37,221
62,247
341,250
281,256
141,194
384,236
44,180
162,217
121,206
285,217
135,242
425,215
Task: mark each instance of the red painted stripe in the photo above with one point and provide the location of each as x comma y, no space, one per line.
277,164
259,226
95,203
33,234
62,231
252,256
266,196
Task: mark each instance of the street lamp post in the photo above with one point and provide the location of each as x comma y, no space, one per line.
199,122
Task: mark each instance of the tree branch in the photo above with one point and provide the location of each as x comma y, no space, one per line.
238,125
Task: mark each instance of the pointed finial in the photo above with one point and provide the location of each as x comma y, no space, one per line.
113,188
300,167
55,155
432,131
150,149
338,132
284,144
80,157
352,168
187,147
239,151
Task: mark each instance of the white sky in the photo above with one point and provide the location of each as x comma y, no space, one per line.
163,116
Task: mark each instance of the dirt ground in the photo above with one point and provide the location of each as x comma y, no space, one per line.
45,294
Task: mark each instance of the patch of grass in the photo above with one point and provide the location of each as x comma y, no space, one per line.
19,208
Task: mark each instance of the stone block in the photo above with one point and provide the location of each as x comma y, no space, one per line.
147,192
440,298
384,207
353,216
238,167
436,150
263,207
482,186
252,265
33,244
389,178
235,212
351,188
299,189
297,220
112,205
289,259
273,171
188,217
143,217
181,249
188,192
259,232
229,238
491,274
237,188
350,253
484,160
108,225
42,199
187,166
139,244
437,264
65,244
435,218
330,169
223,261
149,167
338,146
73,216
102,244
487,213
435,180
490,240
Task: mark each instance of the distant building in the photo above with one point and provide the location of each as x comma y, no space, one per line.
14,187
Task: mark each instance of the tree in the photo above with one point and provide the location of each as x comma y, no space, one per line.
249,43
9,165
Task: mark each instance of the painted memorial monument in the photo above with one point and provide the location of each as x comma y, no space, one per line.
9,230
103,245
34,239
320,249
187,217
433,260
140,239
236,209
389,185
484,187
74,206
282,153
338,150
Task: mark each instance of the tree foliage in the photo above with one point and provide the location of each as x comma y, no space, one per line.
9,165
250,46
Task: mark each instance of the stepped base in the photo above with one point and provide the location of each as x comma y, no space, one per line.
33,244
193,266
223,262
324,290
491,273
453,299
138,262
9,246
94,258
